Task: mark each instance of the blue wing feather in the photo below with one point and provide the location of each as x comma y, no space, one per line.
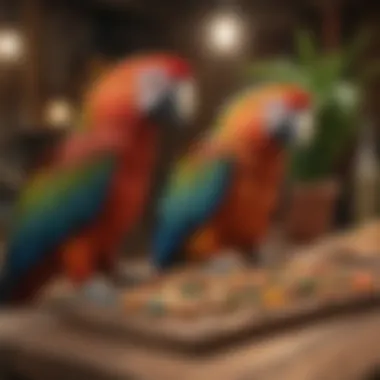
45,224
187,205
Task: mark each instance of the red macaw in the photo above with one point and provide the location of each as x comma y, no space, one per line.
223,193
74,213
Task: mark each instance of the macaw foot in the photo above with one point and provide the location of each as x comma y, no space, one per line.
98,291
130,276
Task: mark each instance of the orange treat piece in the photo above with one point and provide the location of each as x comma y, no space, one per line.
363,282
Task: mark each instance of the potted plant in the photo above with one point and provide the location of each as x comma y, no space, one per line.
337,96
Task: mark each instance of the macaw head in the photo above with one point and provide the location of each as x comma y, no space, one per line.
287,116
157,89
165,90
280,115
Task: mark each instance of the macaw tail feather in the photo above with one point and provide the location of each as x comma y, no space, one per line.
4,289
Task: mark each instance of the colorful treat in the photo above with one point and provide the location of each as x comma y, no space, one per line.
306,287
274,298
192,289
251,295
156,307
362,282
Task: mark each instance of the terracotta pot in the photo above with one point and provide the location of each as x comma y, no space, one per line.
311,210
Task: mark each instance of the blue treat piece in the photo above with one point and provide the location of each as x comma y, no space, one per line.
219,267
99,293
156,307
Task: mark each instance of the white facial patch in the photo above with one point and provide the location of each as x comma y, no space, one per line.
275,113
304,128
153,84
186,99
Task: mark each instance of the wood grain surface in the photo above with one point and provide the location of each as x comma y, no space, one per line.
39,345
339,349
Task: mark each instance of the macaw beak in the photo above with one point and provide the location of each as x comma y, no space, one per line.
285,132
296,130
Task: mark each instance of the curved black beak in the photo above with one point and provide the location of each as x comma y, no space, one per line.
165,113
284,133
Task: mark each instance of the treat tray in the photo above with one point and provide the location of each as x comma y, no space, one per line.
199,334
206,334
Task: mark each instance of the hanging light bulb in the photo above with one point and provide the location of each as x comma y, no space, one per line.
11,46
225,32
58,113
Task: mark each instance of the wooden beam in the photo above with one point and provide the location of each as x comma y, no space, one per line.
331,24
32,24
330,11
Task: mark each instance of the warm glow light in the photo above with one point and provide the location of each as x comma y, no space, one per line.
225,32
59,113
10,45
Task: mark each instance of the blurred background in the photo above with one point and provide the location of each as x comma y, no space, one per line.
51,51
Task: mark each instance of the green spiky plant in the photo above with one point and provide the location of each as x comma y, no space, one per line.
337,96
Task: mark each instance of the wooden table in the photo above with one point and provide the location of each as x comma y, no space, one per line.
39,345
